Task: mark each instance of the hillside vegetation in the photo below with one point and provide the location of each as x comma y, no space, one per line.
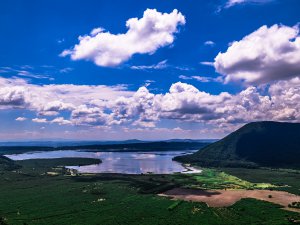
7,164
269,144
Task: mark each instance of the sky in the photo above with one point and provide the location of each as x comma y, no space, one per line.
151,70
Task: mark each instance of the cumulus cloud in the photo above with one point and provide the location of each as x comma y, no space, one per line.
12,96
54,107
268,54
50,100
90,116
186,102
144,36
90,106
139,109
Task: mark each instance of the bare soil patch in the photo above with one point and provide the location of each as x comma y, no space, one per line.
223,198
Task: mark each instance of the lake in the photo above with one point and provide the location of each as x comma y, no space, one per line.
159,162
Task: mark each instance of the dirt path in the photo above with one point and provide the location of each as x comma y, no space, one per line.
223,198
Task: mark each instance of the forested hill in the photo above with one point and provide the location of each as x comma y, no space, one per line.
271,144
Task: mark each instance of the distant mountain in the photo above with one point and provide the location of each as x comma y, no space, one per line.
60,143
192,140
270,144
126,147
143,146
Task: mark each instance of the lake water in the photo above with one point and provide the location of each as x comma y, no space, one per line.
118,162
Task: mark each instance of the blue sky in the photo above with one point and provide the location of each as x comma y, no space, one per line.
175,72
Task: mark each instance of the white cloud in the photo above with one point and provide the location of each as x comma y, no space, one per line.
201,78
26,71
91,116
139,109
144,36
54,107
231,3
21,119
49,100
161,65
12,96
40,120
61,121
218,79
185,102
267,54
183,77
60,41
66,70
177,129
107,107
207,63
150,81
96,31
209,43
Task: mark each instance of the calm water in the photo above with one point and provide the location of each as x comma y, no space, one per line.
117,162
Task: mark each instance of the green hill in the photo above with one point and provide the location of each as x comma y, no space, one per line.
7,164
270,144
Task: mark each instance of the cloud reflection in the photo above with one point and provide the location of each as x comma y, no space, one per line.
116,162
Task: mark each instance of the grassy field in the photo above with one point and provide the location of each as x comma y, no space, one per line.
39,166
216,179
286,180
31,198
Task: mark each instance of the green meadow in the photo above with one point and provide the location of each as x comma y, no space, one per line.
30,196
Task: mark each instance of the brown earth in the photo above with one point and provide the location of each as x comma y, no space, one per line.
223,198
